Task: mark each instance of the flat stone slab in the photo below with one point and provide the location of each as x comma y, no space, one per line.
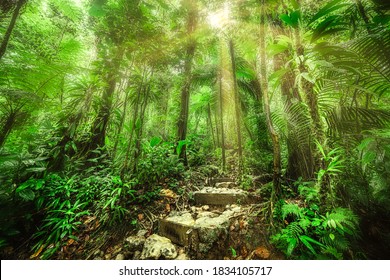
221,196
214,181
181,228
226,185
177,227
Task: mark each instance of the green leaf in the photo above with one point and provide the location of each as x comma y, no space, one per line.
331,236
305,240
180,146
27,194
97,11
292,243
155,141
275,49
327,9
286,19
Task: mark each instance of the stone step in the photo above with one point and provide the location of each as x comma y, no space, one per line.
197,231
223,196
213,181
177,227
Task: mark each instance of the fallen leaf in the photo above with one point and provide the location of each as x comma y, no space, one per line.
36,254
90,219
262,252
70,241
168,207
140,217
244,251
168,193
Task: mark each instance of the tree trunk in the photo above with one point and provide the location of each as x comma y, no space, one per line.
210,121
15,15
185,91
221,117
57,161
137,150
300,160
7,127
237,104
121,124
267,110
134,121
100,124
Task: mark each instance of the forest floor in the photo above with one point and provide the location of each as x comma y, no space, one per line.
246,236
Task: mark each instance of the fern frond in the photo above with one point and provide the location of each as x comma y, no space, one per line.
291,209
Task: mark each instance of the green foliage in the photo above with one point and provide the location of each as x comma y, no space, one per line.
158,162
233,252
62,202
310,234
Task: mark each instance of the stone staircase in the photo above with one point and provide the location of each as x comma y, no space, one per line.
204,229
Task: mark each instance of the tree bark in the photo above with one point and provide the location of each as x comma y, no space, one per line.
264,84
100,124
237,104
7,127
15,15
223,148
185,91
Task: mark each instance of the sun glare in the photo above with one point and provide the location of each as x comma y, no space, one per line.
220,18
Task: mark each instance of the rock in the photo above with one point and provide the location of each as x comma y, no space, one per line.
120,257
177,227
210,226
157,246
108,256
205,207
142,232
227,185
182,256
207,214
135,243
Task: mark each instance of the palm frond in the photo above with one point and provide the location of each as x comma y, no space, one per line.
351,120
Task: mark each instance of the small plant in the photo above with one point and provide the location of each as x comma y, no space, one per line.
233,252
158,163
308,234
57,198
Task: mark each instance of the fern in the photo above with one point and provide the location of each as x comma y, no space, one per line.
291,209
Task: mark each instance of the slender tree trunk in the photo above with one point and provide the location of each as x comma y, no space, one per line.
217,128
210,121
57,161
223,148
300,161
137,150
99,127
185,91
237,104
7,127
311,100
122,121
15,15
134,123
267,110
